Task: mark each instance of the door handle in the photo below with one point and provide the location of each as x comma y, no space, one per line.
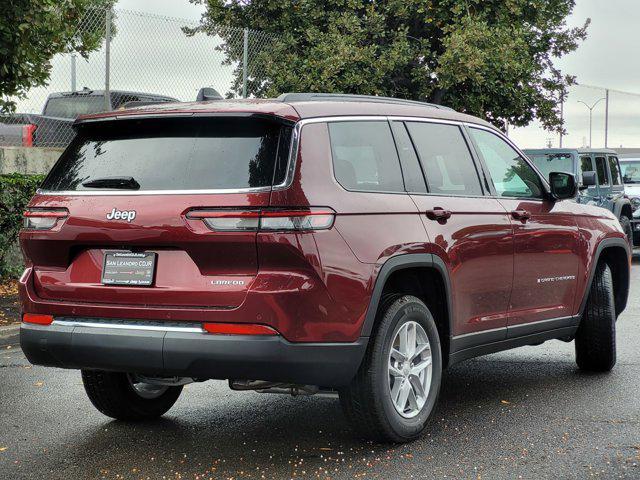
522,215
439,214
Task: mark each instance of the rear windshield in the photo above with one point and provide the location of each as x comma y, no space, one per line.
74,105
175,154
630,171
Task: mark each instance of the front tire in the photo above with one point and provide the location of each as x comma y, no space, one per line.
119,396
393,395
596,335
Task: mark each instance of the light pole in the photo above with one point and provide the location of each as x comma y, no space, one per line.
591,115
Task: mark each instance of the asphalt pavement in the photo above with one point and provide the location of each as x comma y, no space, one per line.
527,413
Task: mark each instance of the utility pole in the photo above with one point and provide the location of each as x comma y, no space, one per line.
245,58
561,117
73,72
606,120
591,116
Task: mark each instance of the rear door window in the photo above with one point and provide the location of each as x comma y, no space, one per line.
365,157
615,171
601,169
174,154
447,163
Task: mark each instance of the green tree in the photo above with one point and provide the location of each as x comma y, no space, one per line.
33,31
491,58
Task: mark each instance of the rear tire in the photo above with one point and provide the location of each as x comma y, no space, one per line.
376,406
596,335
625,222
117,396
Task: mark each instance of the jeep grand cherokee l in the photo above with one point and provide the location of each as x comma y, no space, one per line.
306,244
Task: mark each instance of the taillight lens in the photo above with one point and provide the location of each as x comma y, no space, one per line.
44,218
229,221
37,318
27,135
268,220
313,219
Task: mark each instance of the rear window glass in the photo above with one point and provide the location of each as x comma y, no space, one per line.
365,157
631,171
615,171
74,105
175,154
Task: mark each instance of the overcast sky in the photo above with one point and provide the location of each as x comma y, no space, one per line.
152,55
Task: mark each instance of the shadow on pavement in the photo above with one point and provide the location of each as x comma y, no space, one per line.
491,413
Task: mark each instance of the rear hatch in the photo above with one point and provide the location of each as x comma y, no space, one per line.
140,187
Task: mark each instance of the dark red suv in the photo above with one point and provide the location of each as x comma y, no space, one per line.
306,244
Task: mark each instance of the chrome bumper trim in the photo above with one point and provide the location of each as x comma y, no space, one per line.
146,326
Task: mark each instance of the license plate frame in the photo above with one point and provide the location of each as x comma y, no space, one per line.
119,268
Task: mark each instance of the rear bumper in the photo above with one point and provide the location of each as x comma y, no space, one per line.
192,354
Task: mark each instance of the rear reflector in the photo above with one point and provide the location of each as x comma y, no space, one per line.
238,329
270,220
37,318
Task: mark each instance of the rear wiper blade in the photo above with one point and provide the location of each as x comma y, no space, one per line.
125,183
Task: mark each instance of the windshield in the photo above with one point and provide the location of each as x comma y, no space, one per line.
553,162
630,171
174,154
74,105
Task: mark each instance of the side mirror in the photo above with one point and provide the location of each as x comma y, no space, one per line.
208,93
588,179
563,185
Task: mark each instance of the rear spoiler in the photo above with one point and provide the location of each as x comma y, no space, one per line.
141,115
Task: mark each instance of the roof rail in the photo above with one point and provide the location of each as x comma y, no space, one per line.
347,97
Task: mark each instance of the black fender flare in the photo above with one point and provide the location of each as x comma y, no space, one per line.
403,262
619,205
607,243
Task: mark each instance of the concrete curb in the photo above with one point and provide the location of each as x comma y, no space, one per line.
9,335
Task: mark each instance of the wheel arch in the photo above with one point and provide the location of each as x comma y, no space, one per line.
622,207
615,252
417,274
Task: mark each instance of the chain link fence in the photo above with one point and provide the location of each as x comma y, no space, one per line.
147,58
143,59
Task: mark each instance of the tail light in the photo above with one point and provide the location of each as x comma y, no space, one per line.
266,220
27,135
44,218
38,319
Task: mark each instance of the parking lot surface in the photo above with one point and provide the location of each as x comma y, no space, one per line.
525,413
